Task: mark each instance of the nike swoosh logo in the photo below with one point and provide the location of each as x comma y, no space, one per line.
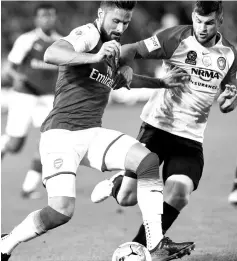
154,190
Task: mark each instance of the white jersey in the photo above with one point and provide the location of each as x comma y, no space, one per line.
185,113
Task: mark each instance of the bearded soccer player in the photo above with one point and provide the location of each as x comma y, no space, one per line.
32,96
72,132
174,120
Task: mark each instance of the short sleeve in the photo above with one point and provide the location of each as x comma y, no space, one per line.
163,44
21,47
83,38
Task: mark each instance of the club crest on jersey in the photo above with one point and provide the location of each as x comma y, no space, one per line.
191,58
221,63
205,75
206,60
58,163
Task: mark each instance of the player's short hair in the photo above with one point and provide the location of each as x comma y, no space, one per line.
207,7
44,6
126,5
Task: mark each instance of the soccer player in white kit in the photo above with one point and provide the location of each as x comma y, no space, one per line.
174,120
31,98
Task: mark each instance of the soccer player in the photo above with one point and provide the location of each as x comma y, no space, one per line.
32,96
72,132
233,195
174,121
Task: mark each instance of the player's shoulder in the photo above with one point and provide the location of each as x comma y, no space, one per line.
88,30
27,38
228,44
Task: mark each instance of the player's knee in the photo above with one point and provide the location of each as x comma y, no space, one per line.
178,190
127,199
149,162
15,144
63,205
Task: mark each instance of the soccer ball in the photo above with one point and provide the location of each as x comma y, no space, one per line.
131,251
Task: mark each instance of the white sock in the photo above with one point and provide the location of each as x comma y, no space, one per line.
25,231
150,201
32,181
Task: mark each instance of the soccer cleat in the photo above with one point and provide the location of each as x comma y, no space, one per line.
232,199
103,189
169,250
4,257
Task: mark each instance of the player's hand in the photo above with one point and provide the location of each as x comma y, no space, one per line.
123,78
228,97
176,77
109,50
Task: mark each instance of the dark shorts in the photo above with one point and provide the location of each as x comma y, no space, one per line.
179,155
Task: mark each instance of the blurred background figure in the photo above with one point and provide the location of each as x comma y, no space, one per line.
233,194
31,97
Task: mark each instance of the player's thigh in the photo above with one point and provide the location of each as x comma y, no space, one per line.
20,108
153,139
189,164
59,161
108,150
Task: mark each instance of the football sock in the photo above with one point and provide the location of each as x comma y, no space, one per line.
150,198
35,224
168,217
33,176
32,180
30,228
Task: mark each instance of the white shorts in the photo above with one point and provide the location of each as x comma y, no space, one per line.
62,151
26,109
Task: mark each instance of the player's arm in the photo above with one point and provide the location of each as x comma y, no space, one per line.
228,98
173,78
19,51
74,49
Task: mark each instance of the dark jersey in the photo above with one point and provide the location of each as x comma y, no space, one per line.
82,91
28,53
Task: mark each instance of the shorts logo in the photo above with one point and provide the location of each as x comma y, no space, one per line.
221,62
191,58
206,60
152,43
58,163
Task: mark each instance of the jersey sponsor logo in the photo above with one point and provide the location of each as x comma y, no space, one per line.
221,63
204,74
213,87
58,163
191,58
38,64
206,60
152,43
101,78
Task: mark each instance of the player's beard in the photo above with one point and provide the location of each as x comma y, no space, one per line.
207,40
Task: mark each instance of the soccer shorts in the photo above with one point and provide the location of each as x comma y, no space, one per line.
62,150
26,109
179,155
